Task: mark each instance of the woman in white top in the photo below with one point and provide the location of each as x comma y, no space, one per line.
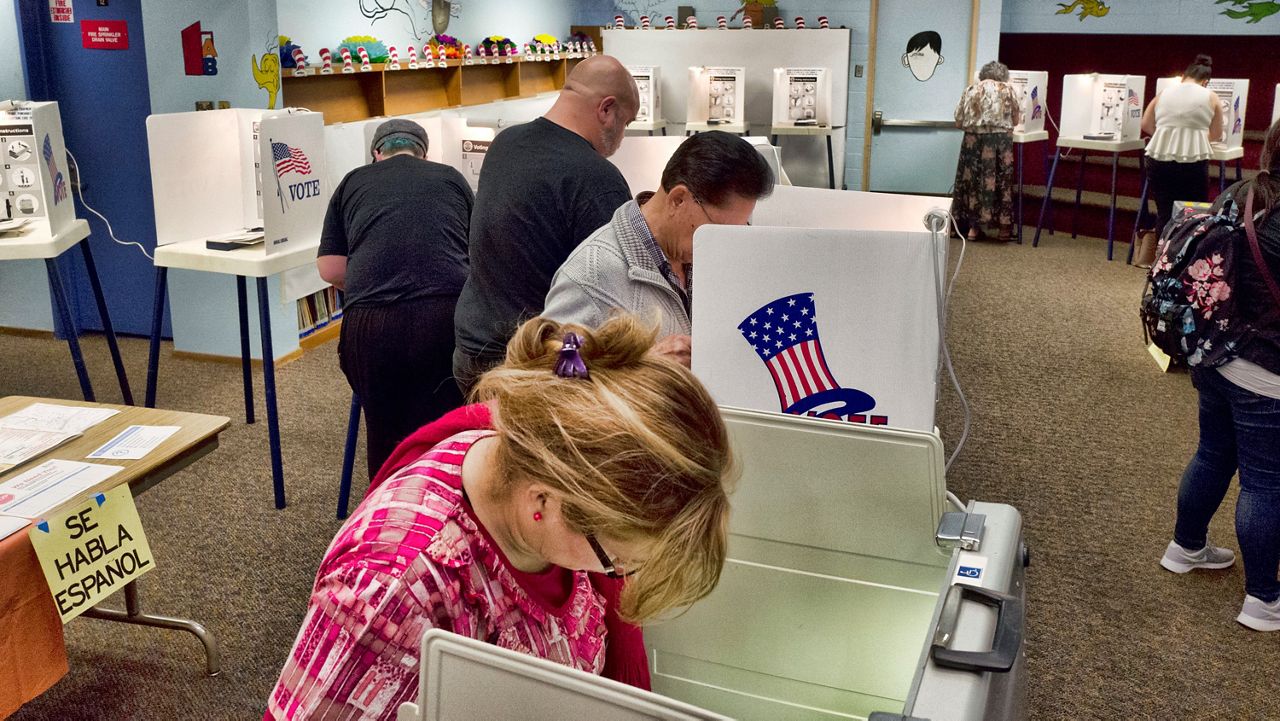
1182,121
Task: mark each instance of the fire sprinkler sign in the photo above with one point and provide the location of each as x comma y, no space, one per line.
61,11
105,34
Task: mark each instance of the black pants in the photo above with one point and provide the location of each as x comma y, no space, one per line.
468,368
399,359
1172,181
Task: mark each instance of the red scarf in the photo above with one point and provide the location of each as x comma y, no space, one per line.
625,658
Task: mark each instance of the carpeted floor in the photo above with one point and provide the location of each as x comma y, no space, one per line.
1072,424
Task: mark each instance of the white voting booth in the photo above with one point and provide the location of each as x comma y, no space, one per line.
642,159
801,97
1102,107
1234,95
1032,87
35,185
649,84
1275,106
716,96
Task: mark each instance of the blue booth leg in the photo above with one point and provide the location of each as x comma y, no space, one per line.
246,363
157,320
112,344
63,305
349,456
1048,198
269,384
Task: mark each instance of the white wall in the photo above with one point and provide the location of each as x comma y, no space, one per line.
1147,17
315,24
12,83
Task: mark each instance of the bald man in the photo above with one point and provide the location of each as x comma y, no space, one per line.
544,188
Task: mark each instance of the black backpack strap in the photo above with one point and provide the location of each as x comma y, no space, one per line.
1257,249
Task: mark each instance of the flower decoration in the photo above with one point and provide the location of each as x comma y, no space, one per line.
377,51
451,45
497,45
545,39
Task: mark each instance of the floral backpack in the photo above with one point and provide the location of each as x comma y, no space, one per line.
1188,308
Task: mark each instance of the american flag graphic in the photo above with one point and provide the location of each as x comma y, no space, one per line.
59,183
1036,109
289,160
1133,99
784,334
1239,123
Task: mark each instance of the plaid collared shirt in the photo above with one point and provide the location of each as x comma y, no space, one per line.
636,220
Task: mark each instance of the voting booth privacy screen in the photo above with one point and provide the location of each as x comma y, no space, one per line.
648,83
801,97
1102,107
35,184
1234,97
774,329
716,95
1031,87
643,158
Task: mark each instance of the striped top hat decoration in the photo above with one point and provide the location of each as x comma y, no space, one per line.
671,23
778,24
511,54
784,333
347,67
618,24
746,22
721,22
299,63
413,58
393,58
326,62
428,60
822,23
800,24
591,47
466,54
365,65
644,22
691,22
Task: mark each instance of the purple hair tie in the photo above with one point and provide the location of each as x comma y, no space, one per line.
570,363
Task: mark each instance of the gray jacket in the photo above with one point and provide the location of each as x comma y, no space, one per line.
614,269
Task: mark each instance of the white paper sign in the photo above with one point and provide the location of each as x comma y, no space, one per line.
36,491
134,442
18,445
774,329
295,187
61,11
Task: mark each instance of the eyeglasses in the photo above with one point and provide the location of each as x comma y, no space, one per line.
711,220
611,568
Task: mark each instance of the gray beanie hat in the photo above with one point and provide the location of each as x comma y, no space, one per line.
399,127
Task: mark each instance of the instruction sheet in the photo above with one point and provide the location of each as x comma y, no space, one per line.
35,492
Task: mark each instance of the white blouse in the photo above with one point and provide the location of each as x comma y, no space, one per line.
1183,115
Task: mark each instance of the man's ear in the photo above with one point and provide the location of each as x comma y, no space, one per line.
905,64
941,59
607,104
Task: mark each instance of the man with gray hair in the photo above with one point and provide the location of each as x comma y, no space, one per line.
545,186
395,240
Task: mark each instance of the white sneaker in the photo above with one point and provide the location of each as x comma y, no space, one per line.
1180,560
1260,616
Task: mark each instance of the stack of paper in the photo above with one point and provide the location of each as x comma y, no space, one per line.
41,426
37,491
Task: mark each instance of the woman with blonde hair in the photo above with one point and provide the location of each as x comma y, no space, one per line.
587,458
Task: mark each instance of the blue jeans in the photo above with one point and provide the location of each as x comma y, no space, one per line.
1238,429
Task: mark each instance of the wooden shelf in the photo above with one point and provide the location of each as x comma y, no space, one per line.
347,97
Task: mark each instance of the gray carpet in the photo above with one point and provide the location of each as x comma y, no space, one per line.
1073,425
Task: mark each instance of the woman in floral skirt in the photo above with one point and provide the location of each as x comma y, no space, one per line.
987,113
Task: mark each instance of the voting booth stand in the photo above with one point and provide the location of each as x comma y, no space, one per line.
1102,113
227,175
38,220
649,116
1032,87
716,100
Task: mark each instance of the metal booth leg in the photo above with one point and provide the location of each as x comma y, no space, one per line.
269,384
831,164
96,283
68,326
1111,216
133,615
1075,213
246,363
157,320
349,456
1048,198
1020,147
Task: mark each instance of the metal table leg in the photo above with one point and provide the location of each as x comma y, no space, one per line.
96,283
831,164
246,362
269,384
1222,175
1075,214
1048,198
68,327
133,614
1111,216
663,129
1020,193
1142,206
1239,169
157,320
349,456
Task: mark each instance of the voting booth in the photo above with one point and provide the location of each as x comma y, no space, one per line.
1032,88
801,97
1234,96
642,159
649,84
716,95
1102,107
35,184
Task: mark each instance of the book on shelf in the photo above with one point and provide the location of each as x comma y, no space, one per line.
318,310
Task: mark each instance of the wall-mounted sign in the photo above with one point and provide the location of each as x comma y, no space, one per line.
61,11
104,34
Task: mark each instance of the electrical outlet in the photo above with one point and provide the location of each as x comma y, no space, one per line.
857,71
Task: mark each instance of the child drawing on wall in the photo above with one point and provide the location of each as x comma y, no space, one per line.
923,55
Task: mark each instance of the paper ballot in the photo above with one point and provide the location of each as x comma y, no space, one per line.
41,426
10,525
134,442
35,492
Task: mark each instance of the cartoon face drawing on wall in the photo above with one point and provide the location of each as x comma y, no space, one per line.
923,55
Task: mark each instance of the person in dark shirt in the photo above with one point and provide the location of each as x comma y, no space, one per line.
545,186
395,240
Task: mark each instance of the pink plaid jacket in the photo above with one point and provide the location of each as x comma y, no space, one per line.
410,558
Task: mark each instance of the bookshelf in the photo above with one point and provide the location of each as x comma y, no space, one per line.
345,98
317,312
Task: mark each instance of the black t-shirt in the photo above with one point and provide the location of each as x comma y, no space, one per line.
543,190
402,223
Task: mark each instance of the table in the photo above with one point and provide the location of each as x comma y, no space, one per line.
243,263
35,243
1020,139
649,125
1221,155
1115,148
810,130
739,128
34,613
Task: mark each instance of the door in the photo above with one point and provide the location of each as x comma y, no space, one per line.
922,63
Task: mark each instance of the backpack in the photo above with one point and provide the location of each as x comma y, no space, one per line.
1188,308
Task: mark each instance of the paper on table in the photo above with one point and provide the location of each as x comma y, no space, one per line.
56,419
134,442
34,492
10,525
18,445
